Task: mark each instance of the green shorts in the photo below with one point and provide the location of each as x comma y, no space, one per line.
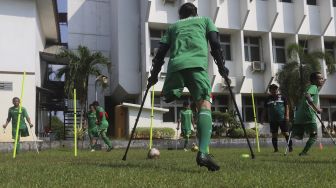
195,79
299,130
93,133
23,132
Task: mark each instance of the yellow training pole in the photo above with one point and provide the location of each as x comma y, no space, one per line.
151,121
19,117
75,123
255,121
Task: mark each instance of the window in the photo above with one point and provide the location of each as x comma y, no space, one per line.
311,2
252,49
279,52
329,110
304,45
248,115
220,103
334,3
155,37
329,48
225,42
286,1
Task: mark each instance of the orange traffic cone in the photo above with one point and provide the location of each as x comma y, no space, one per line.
321,146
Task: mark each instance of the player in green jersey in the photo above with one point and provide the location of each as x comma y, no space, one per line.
102,124
186,119
92,127
305,117
188,40
13,114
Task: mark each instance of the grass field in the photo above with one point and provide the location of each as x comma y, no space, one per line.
59,168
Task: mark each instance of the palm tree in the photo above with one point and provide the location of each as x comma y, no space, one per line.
294,76
80,65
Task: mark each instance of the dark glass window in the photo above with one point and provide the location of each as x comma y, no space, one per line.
279,51
311,2
225,41
252,49
155,37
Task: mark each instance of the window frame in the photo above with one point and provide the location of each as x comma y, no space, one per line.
248,45
330,50
224,45
259,103
274,49
312,2
162,32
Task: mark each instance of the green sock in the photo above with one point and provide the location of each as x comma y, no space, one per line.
186,141
106,139
204,128
309,144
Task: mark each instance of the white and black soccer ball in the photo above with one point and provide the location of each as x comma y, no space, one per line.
153,154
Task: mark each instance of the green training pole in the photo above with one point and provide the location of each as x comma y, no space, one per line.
255,121
151,121
19,116
75,123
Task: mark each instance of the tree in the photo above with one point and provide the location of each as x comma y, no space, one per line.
294,76
80,65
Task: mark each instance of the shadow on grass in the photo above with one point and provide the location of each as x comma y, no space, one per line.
125,165
300,161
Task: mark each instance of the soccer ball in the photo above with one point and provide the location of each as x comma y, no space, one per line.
153,154
194,147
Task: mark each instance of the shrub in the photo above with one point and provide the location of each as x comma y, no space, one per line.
158,133
239,133
57,127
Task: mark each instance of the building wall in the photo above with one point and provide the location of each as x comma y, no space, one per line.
130,38
21,39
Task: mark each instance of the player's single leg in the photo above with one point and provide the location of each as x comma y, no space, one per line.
186,141
274,126
197,82
285,131
275,141
106,139
311,129
92,146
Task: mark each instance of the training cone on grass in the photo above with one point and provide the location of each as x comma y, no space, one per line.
153,154
321,146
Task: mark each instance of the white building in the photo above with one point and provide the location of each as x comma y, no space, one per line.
28,27
254,35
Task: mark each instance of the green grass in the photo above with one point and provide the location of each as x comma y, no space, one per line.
58,168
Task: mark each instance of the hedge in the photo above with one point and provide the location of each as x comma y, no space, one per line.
158,133
239,133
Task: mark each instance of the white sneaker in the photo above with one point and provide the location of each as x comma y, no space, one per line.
185,149
92,150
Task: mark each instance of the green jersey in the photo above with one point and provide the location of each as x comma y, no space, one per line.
305,114
101,115
276,107
188,43
13,114
92,118
186,118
